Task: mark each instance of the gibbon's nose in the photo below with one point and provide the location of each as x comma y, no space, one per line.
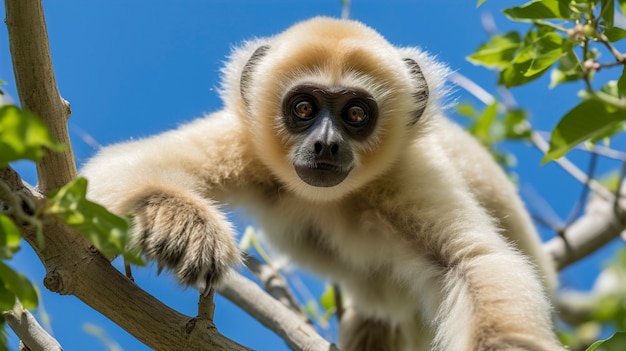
327,139
326,150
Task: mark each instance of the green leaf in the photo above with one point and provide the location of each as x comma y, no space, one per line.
99,333
615,34
589,119
534,60
108,232
480,2
23,136
539,9
3,333
19,285
617,342
568,70
516,124
9,237
327,299
247,239
7,298
466,110
607,8
498,52
310,309
483,127
621,83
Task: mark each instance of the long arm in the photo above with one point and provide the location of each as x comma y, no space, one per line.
167,184
491,293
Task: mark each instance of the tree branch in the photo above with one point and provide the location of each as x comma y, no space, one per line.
37,88
274,284
74,267
29,331
271,313
597,227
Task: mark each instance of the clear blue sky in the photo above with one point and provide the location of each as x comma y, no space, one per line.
135,68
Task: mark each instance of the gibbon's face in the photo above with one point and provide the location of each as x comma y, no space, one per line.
329,120
332,106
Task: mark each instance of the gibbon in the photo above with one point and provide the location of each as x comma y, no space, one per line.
336,141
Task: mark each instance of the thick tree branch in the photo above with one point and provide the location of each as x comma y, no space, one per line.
74,267
37,88
29,331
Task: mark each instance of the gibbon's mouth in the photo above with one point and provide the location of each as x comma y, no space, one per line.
322,174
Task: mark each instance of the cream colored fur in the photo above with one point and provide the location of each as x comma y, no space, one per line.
426,235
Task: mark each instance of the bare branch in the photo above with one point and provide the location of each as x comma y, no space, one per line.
299,335
598,226
541,143
32,335
584,195
275,284
345,9
471,87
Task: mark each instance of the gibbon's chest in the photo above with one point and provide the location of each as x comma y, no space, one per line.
352,245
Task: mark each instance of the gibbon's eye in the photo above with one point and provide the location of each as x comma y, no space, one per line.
355,115
304,109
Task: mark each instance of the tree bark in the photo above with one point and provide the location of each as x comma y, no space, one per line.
37,88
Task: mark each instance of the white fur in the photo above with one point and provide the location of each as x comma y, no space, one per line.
426,235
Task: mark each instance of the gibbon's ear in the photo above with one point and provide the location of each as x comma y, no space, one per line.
421,96
248,70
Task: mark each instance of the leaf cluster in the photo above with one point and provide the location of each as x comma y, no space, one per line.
23,136
565,36
491,126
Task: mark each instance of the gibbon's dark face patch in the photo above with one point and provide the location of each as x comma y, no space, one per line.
328,119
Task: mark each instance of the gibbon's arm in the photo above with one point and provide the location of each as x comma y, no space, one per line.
479,291
167,183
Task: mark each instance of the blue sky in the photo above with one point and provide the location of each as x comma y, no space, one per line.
134,68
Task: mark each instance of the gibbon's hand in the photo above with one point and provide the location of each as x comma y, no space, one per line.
186,234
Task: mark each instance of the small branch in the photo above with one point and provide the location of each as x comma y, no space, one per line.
619,57
345,9
538,140
206,305
32,335
582,200
471,87
597,227
274,284
299,335
339,308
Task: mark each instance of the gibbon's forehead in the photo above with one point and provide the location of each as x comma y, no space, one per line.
342,53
